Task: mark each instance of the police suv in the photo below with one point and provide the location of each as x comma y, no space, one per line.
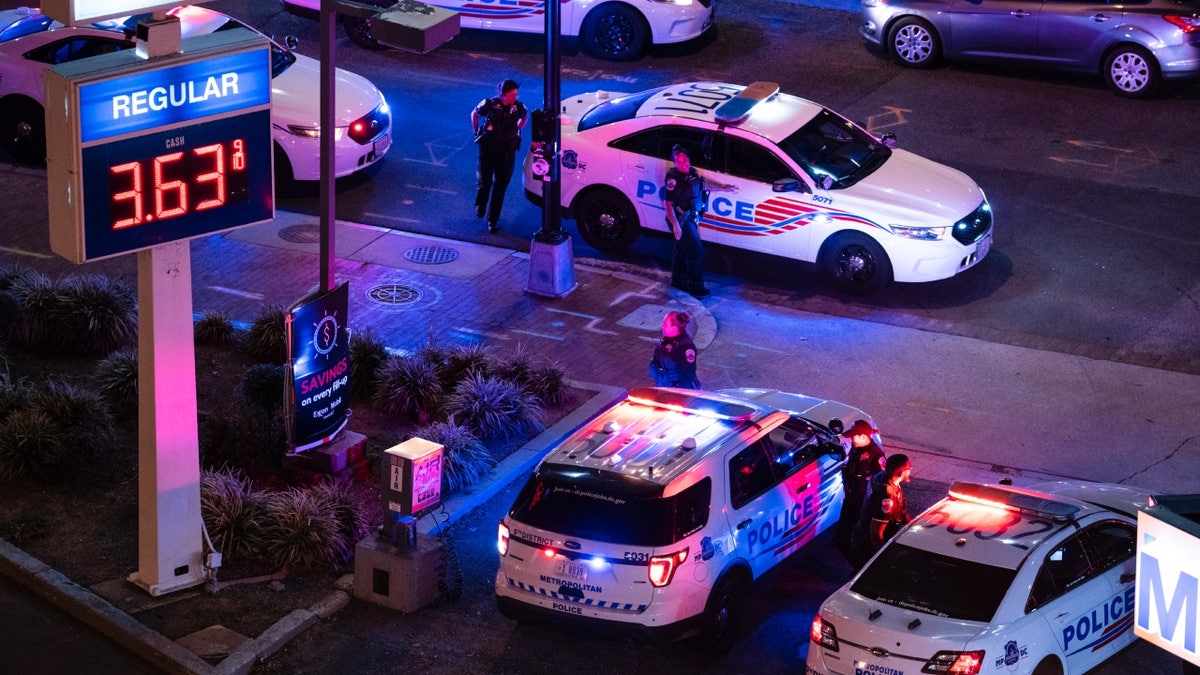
652,520
991,579
810,184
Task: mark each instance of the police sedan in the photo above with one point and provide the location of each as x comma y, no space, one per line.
31,42
810,184
991,579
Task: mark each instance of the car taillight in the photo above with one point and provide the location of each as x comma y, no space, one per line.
955,663
502,539
1188,24
822,633
662,567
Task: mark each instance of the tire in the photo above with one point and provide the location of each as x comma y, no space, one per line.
914,43
855,263
23,129
285,177
724,615
606,220
359,30
614,32
1048,666
1131,71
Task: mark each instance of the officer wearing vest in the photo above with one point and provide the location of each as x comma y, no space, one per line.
685,201
496,123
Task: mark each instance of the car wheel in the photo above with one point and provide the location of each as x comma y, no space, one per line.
359,30
606,220
23,129
914,43
285,177
1132,72
855,263
1048,666
615,33
724,615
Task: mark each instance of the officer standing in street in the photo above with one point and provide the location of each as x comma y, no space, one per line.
884,511
674,361
864,459
496,123
684,203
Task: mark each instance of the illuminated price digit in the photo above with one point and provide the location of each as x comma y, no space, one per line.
217,176
239,154
161,188
133,195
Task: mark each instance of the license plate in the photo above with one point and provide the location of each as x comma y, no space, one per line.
982,249
381,145
572,570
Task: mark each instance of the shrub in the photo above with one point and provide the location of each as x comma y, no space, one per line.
548,382
93,315
117,381
517,366
490,407
266,340
31,444
14,396
234,513
262,387
466,460
4,361
215,329
338,498
408,385
301,532
10,315
463,361
80,413
36,296
236,434
367,356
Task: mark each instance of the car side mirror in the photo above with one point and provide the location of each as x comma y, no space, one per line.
888,140
789,185
291,42
825,182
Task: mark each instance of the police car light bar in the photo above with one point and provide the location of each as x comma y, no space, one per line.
1014,499
692,404
737,109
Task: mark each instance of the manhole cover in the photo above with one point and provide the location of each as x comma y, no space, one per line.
430,255
301,234
394,294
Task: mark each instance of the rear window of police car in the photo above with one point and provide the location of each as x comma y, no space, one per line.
610,508
936,584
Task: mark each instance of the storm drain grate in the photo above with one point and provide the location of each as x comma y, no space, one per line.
394,294
430,255
301,234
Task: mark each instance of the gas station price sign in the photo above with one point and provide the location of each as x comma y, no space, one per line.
160,150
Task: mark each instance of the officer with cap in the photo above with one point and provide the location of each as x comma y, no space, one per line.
884,511
864,458
496,123
684,202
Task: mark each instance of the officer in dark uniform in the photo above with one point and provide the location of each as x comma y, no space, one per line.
496,123
884,511
674,360
684,203
864,459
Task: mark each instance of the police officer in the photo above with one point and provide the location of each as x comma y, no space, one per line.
684,202
884,511
864,459
496,123
674,360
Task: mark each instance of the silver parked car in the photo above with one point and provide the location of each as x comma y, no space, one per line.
1132,45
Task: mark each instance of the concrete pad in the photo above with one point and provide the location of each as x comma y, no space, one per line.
389,249
214,642
131,598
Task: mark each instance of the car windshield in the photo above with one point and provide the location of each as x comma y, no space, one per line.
609,507
281,58
830,145
906,577
615,110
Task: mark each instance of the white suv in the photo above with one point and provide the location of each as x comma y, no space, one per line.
653,519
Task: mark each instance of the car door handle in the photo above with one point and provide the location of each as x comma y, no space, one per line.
1128,577
803,488
1101,18
1020,13
744,524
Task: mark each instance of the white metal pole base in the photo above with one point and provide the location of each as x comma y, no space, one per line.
551,268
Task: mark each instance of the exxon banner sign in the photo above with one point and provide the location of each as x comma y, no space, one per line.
1167,600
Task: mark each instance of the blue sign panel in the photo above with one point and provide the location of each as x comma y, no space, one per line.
319,346
171,185
179,93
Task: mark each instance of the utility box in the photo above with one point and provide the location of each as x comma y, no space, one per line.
412,478
409,25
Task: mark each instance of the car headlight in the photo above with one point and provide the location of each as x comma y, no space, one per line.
872,3
919,233
304,131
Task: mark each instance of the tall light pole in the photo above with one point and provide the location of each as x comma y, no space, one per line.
551,260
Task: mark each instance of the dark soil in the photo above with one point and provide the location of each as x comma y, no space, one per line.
84,523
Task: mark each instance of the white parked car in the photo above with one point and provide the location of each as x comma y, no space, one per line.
811,184
652,520
992,579
617,30
30,43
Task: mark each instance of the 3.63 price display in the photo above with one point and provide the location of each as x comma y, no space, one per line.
176,184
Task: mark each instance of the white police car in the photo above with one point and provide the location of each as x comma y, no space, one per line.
652,520
811,185
617,30
31,42
991,579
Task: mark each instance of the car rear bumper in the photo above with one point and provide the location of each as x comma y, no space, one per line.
594,627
